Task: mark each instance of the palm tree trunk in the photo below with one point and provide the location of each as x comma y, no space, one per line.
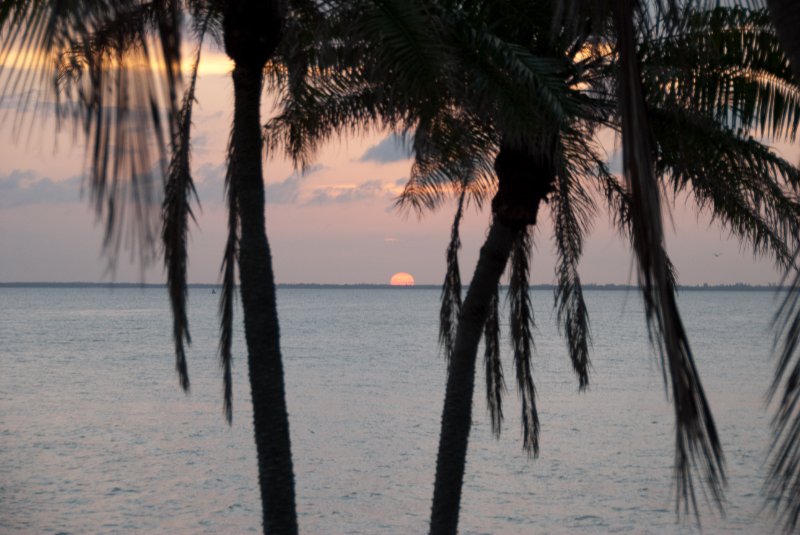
270,418
785,15
457,414
524,180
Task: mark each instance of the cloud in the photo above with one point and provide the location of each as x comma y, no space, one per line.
341,194
287,190
615,162
209,180
24,187
284,192
390,149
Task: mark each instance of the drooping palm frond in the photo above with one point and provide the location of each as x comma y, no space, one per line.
228,294
521,325
697,443
176,212
495,382
572,209
452,151
102,75
451,289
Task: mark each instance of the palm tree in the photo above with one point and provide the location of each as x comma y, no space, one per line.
113,68
489,85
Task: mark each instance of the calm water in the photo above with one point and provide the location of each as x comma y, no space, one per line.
96,437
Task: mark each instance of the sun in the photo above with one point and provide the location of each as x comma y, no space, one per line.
402,279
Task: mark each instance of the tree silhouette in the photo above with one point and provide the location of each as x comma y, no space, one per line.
114,69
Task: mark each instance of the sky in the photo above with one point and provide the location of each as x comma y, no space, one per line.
334,224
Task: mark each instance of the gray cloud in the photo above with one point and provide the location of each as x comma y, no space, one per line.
209,180
288,190
24,187
390,149
367,190
284,192
615,162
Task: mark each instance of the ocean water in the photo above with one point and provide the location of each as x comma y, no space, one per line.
96,436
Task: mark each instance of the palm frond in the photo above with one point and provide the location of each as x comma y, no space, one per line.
495,382
178,192
521,326
725,63
228,295
509,83
697,442
107,79
451,289
452,150
741,182
572,211
404,46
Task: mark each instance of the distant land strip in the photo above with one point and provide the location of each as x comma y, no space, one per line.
739,287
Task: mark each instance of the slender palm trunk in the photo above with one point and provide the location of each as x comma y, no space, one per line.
524,181
270,419
785,15
457,414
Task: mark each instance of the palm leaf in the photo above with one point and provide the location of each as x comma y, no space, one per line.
178,192
228,295
451,289
697,442
572,211
727,64
107,79
742,183
521,325
495,382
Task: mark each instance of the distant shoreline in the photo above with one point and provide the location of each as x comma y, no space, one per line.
739,287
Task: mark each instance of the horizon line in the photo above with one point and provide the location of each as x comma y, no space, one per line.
366,285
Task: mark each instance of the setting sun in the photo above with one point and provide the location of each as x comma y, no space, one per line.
402,279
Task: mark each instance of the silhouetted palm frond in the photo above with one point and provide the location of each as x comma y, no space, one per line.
572,210
452,150
697,442
177,210
108,78
228,294
521,325
741,182
725,64
451,289
495,382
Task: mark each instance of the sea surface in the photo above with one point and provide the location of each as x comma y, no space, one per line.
97,437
